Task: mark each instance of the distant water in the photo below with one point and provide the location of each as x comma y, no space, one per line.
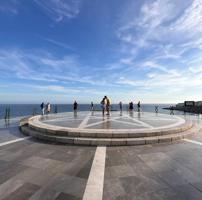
17,110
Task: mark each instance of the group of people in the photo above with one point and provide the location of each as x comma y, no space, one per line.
45,108
131,106
105,105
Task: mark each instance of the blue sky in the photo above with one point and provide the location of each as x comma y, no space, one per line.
62,50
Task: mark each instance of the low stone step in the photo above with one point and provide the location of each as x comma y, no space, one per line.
111,141
113,133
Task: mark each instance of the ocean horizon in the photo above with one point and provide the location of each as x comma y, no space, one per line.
17,110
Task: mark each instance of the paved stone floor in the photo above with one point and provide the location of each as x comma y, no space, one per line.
30,169
116,120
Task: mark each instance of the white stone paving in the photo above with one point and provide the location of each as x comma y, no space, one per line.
14,141
85,121
95,184
193,141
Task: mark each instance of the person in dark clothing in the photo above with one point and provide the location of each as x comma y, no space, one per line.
131,106
75,106
103,105
138,106
92,106
120,106
42,108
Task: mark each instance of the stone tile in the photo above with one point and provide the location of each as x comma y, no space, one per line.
114,158
23,192
197,185
62,156
188,174
136,185
164,194
15,156
68,184
113,189
10,170
160,166
44,177
119,171
37,162
63,196
27,174
80,166
157,156
40,162
180,176
16,146
132,159
141,168
22,152
188,192
172,178
85,170
44,194
4,165
3,153
9,187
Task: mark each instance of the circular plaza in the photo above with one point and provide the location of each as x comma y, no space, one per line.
118,128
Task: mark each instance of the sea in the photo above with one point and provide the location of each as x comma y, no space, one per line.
21,110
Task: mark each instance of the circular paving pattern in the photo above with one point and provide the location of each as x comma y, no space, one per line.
118,128
115,121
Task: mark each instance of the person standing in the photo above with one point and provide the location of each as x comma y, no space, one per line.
120,106
42,108
48,108
131,106
138,106
108,103
103,105
75,106
92,106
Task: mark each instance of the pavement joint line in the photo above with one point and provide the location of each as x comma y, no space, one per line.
95,183
85,121
141,122
103,121
124,122
14,141
193,141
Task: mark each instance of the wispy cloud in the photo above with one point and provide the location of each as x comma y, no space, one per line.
156,42
9,6
60,44
60,10
164,22
157,50
42,66
191,20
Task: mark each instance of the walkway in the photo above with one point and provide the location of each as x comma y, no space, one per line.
30,169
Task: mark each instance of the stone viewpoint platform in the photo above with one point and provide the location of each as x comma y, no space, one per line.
118,128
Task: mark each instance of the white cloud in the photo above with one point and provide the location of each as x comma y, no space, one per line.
183,80
191,21
163,40
155,13
175,24
60,10
42,66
